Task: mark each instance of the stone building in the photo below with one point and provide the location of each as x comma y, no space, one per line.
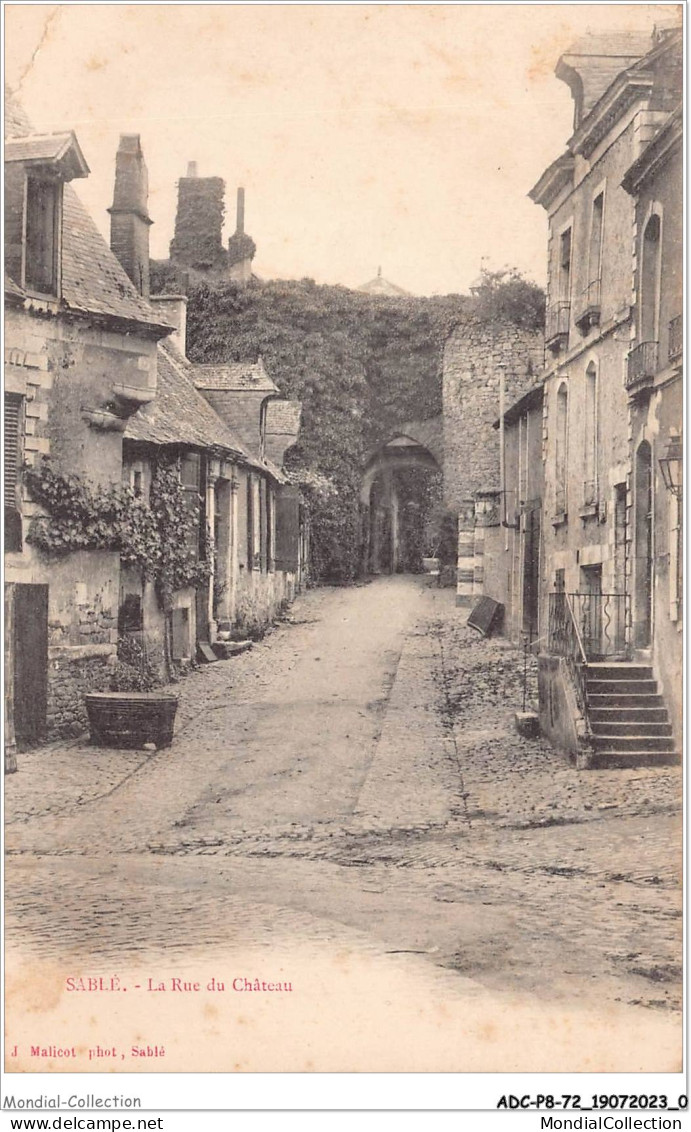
600,435
80,358
484,363
228,431
654,385
513,541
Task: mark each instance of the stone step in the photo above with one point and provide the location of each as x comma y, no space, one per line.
621,687
601,670
611,702
615,760
635,728
619,714
633,743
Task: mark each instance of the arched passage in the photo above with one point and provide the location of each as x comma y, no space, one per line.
401,485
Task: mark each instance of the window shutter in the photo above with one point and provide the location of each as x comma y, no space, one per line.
12,448
12,463
287,549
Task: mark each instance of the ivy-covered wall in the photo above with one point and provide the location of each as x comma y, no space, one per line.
361,365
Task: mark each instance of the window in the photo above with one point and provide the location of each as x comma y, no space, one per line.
43,212
595,252
12,464
190,478
250,521
649,298
590,427
560,461
565,266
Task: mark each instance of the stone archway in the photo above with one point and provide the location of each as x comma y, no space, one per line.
386,512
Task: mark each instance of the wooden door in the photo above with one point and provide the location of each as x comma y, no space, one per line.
30,663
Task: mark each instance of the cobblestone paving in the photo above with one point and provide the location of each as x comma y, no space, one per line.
356,778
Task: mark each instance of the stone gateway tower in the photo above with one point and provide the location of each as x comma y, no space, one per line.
475,357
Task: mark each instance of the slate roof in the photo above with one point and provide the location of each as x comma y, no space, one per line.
11,288
614,44
381,286
234,375
93,281
16,122
179,414
283,418
53,148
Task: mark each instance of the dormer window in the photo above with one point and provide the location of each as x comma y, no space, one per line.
42,235
37,166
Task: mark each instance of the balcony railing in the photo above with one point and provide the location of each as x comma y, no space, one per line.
589,308
641,365
557,326
601,620
676,338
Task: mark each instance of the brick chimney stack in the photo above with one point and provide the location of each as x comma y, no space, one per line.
129,213
240,224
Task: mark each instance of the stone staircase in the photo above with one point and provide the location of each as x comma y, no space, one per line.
628,717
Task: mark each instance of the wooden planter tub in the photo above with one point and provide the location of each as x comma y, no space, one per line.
131,719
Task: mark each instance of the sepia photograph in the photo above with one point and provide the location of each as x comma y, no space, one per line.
344,541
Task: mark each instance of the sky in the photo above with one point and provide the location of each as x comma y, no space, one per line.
400,136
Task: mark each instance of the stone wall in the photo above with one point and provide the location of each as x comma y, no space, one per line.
71,673
473,355
261,597
65,374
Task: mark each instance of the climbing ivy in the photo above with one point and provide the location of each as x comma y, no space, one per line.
159,538
362,365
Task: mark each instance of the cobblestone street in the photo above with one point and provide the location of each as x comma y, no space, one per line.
349,803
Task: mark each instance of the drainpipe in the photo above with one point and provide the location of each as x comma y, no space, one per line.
502,461
502,469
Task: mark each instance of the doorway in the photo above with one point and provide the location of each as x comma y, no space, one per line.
27,613
591,610
643,547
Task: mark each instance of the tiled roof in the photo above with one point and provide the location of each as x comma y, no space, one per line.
234,375
54,148
283,418
92,279
180,415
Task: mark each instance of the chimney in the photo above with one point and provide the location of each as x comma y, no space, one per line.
241,247
191,168
129,215
173,309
